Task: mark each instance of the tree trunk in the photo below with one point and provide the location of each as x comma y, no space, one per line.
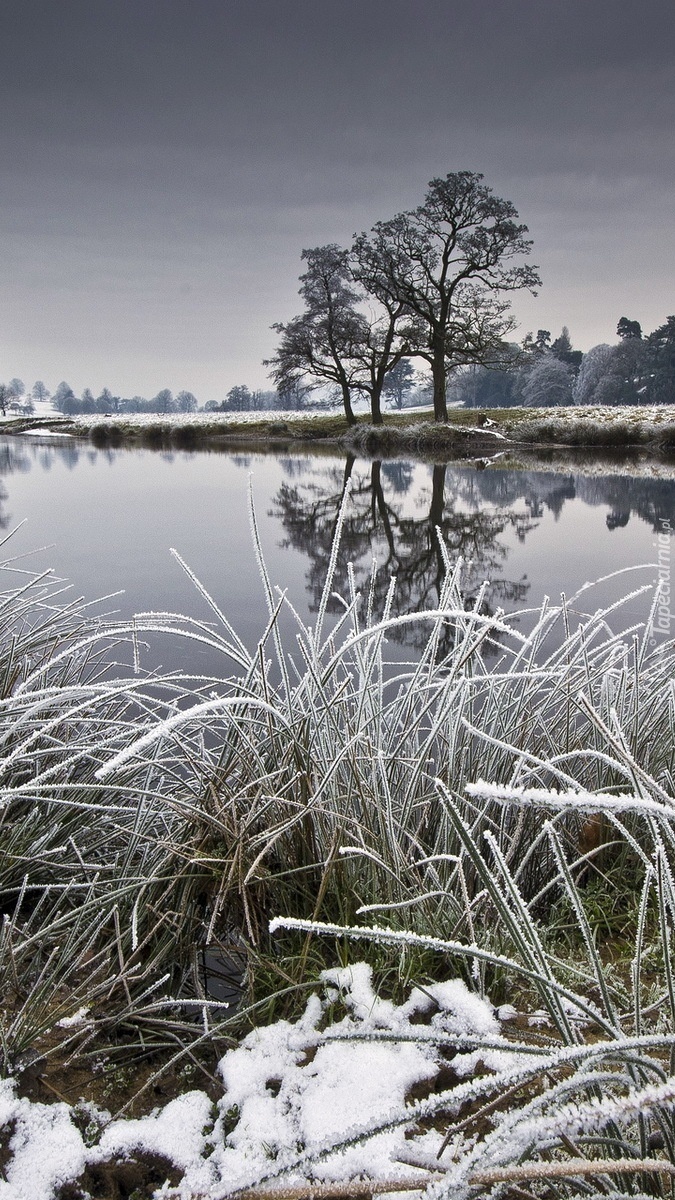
376,404
349,467
379,505
438,375
436,519
347,401
437,496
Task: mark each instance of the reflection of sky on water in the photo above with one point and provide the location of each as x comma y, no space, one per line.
111,516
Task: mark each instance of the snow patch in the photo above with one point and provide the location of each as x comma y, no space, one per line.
300,1101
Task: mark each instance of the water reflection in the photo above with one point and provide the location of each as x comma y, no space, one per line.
403,536
651,500
114,513
18,455
474,511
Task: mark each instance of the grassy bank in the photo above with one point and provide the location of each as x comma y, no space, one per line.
470,432
505,817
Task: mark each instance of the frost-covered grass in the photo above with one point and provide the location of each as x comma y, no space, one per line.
322,1105
413,430
317,805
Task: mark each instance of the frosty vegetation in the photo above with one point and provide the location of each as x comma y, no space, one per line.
638,369
449,886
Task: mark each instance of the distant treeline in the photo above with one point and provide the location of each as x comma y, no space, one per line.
14,397
540,372
636,370
164,402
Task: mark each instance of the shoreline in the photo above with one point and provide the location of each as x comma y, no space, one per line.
640,439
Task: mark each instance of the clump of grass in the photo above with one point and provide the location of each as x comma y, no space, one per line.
588,1105
144,819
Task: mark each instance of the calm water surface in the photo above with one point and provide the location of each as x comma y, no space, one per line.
109,517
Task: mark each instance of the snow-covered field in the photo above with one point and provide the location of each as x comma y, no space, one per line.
513,421
195,418
657,415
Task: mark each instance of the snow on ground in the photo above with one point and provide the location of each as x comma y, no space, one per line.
657,414
638,415
268,416
293,1091
196,418
40,432
633,414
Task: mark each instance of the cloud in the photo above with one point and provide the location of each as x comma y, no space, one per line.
149,149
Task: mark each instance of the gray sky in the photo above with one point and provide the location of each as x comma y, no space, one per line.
164,162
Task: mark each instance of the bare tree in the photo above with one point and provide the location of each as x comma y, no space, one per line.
186,402
447,263
40,392
321,345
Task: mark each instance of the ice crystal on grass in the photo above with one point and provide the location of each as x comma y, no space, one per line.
146,823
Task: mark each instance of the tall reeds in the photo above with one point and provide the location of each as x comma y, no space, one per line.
454,808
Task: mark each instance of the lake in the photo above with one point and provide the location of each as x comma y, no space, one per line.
105,520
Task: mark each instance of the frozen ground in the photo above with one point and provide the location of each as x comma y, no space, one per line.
300,1101
633,415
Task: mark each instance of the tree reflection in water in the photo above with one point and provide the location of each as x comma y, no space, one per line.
11,459
474,510
19,457
379,523
394,511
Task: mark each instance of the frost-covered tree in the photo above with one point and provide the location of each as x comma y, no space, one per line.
619,374
39,391
398,382
163,402
85,404
238,399
265,400
106,402
296,397
135,404
16,387
63,392
549,384
626,382
186,402
485,387
595,365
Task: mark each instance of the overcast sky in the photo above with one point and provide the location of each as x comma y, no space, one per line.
164,162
